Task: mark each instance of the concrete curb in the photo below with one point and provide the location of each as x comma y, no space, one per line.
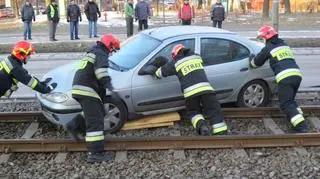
82,46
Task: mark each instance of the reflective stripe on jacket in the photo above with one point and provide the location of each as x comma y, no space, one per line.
280,57
92,77
191,74
12,72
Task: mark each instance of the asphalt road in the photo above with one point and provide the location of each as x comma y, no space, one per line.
307,59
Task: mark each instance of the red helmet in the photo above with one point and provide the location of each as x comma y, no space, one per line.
22,50
176,49
266,32
110,42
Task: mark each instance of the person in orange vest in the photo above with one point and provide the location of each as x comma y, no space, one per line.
186,13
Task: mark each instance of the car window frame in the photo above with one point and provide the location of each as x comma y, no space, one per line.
238,41
164,43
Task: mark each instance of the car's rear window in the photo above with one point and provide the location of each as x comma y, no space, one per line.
134,50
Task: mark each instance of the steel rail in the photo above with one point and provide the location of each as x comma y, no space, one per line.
228,113
162,143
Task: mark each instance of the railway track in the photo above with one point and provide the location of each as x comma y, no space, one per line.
269,114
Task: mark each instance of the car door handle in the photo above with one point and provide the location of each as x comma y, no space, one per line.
244,69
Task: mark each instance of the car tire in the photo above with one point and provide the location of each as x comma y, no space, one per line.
116,115
254,94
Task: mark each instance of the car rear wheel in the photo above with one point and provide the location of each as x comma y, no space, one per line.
116,115
253,94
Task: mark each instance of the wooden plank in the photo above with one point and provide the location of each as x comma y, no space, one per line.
162,118
148,126
31,130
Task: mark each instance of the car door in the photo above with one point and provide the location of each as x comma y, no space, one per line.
226,64
149,93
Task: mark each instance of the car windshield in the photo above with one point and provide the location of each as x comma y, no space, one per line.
134,50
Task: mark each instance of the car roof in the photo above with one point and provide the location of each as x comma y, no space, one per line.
163,33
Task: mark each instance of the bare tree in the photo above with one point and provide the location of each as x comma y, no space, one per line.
287,7
265,12
15,7
231,6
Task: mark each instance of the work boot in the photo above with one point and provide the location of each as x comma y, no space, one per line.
98,157
302,127
222,133
73,133
202,128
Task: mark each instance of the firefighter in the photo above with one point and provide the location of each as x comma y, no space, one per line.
198,93
91,84
288,75
12,71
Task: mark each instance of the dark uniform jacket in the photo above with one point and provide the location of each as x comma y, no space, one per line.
73,12
91,10
53,13
217,12
191,74
27,13
12,72
92,79
281,59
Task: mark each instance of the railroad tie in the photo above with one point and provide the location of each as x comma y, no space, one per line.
178,153
121,156
30,131
275,129
61,157
315,122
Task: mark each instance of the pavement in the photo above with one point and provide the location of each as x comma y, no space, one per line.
298,30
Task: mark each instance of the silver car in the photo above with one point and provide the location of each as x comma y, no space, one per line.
225,56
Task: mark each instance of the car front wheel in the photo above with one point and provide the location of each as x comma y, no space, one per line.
253,94
116,115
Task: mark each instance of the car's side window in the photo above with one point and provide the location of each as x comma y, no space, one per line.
166,51
216,51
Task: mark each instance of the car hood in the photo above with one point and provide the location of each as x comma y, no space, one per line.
63,76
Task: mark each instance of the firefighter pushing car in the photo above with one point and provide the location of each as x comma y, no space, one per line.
288,75
91,84
199,94
12,71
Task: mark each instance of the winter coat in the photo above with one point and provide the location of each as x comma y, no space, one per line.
27,13
73,12
186,12
128,10
217,12
142,10
91,10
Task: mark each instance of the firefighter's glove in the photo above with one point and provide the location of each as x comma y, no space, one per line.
111,94
251,58
52,86
159,61
46,81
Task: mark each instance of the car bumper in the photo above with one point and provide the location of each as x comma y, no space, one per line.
59,117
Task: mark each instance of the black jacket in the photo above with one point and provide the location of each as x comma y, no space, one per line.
27,13
217,12
91,10
280,58
191,74
73,12
92,79
12,72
